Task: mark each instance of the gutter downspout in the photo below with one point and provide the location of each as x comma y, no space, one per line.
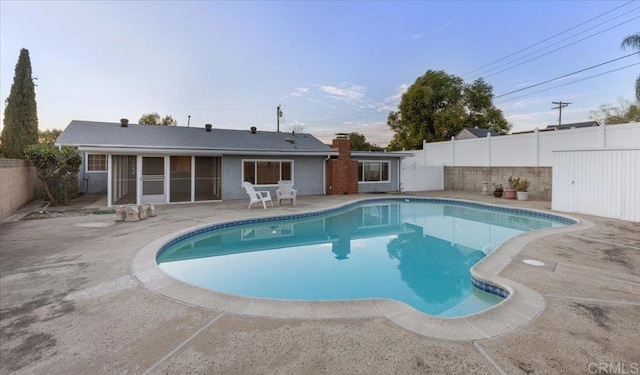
398,182
324,175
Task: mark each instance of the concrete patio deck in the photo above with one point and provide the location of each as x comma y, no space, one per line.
69,303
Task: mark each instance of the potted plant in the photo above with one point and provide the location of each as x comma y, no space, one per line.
522,188
497,190
510,193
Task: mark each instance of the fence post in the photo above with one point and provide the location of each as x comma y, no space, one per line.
536,133
489,148
424,151
453,152
603,135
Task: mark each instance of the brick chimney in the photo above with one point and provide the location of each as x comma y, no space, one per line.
342,173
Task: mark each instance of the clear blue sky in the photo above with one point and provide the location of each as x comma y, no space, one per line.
333,66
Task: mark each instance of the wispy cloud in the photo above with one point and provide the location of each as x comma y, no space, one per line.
417,36
299,91
344,91
523,103
390,103
376,131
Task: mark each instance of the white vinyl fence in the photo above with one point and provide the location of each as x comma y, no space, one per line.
524,150
424,170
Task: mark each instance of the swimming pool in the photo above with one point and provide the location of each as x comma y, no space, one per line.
417,251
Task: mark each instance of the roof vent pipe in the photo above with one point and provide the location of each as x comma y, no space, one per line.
207,127
253,130
124,122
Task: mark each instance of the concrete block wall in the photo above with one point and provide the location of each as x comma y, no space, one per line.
470,179
19,185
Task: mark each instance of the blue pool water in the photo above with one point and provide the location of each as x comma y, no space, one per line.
418,252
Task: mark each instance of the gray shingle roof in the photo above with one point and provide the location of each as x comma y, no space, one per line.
480,133
586,124
107,134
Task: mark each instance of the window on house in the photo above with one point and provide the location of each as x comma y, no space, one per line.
373,216
373,171
96,163
267,172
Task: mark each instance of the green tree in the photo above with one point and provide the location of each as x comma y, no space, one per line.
623,113
48,136
57,168
20,114
438,105
359,143
154,118
633,41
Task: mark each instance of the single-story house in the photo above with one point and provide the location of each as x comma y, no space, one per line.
138,164
573,125
473,133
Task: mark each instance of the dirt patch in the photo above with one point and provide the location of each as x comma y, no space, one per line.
616,254
52,214
525,367
29,350
597,314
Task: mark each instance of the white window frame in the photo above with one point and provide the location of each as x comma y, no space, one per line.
255,170
361,177
381,221
86,163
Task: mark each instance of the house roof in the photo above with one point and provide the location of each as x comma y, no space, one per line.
586,124
90,134
380,154
479,133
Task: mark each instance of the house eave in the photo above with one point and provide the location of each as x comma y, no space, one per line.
195,151
381,154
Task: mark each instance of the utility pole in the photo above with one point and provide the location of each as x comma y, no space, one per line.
278,115
559,107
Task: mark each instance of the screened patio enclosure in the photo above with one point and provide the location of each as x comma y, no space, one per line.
138,179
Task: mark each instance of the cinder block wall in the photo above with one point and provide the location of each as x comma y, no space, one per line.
19,185
470,179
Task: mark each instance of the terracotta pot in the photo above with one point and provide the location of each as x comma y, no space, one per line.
510,193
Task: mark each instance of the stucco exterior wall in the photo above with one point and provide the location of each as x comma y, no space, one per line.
19,185
91,182
470,179
307,175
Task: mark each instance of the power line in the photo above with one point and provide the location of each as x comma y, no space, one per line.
568,83
549,38
559,48
566,75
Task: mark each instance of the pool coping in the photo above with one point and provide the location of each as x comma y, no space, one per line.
521,306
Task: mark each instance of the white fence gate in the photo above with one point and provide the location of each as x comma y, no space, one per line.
421,177
602,182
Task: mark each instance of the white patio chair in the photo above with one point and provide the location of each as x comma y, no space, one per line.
286,191
257,196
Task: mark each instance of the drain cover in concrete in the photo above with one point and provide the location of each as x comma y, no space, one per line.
532,262
546,265
94,225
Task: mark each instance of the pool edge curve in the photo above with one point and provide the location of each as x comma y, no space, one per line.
521,306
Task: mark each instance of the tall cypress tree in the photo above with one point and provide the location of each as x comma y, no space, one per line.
20,114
